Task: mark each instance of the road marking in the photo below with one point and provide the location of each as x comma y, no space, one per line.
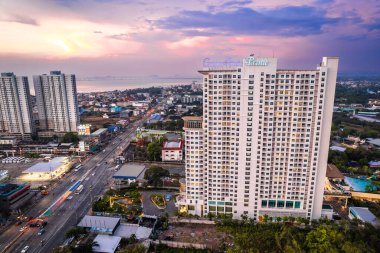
96,158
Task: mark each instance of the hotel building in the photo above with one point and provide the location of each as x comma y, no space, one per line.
15,106
57,103
261,147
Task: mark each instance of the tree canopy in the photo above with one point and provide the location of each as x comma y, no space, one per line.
153,151
70,137
154,175
324,237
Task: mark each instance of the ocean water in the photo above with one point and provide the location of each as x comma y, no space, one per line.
122,83
357,184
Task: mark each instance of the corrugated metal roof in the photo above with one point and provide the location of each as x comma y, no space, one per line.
106,243
129,171
364,214
99,222
50,166
172,144
99,131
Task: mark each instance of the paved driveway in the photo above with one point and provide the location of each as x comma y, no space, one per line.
151,209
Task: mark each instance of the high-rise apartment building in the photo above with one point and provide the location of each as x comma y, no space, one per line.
57,103
262,145
15,106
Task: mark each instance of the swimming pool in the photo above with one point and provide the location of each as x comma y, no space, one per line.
357,184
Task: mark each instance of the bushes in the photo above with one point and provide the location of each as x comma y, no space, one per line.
158,200
285,237
154,151
103,205
363,156
161,248
154,175
75,232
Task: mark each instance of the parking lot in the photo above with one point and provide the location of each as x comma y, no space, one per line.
15,169
150,209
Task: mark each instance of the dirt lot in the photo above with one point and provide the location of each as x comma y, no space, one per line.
196,233
98,121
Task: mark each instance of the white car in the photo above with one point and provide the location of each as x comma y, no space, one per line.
69,197
25,249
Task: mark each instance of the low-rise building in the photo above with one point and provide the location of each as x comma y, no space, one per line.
189,99
116,109
100,134
126,114
84,129
337,148
327,212
363,214
129,173
106,243
13,197
172,151
100,224
49,134
374,142
47,170
8,141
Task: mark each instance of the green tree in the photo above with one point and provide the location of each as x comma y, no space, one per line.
65,249
70,137
324,239
154,175
133,249
153,151
75,232
100,206
370,188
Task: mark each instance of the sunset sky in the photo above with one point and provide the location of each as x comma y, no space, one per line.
167,37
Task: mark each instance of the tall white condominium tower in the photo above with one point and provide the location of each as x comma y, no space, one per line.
57,103
15,106
263,144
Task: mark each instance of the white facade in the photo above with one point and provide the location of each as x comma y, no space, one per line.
57,102
15,106
188,99
265,140
172,151
194,194
171,155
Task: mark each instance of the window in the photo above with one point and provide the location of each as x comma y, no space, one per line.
289,204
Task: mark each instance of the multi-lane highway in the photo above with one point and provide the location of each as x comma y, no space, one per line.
96,176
